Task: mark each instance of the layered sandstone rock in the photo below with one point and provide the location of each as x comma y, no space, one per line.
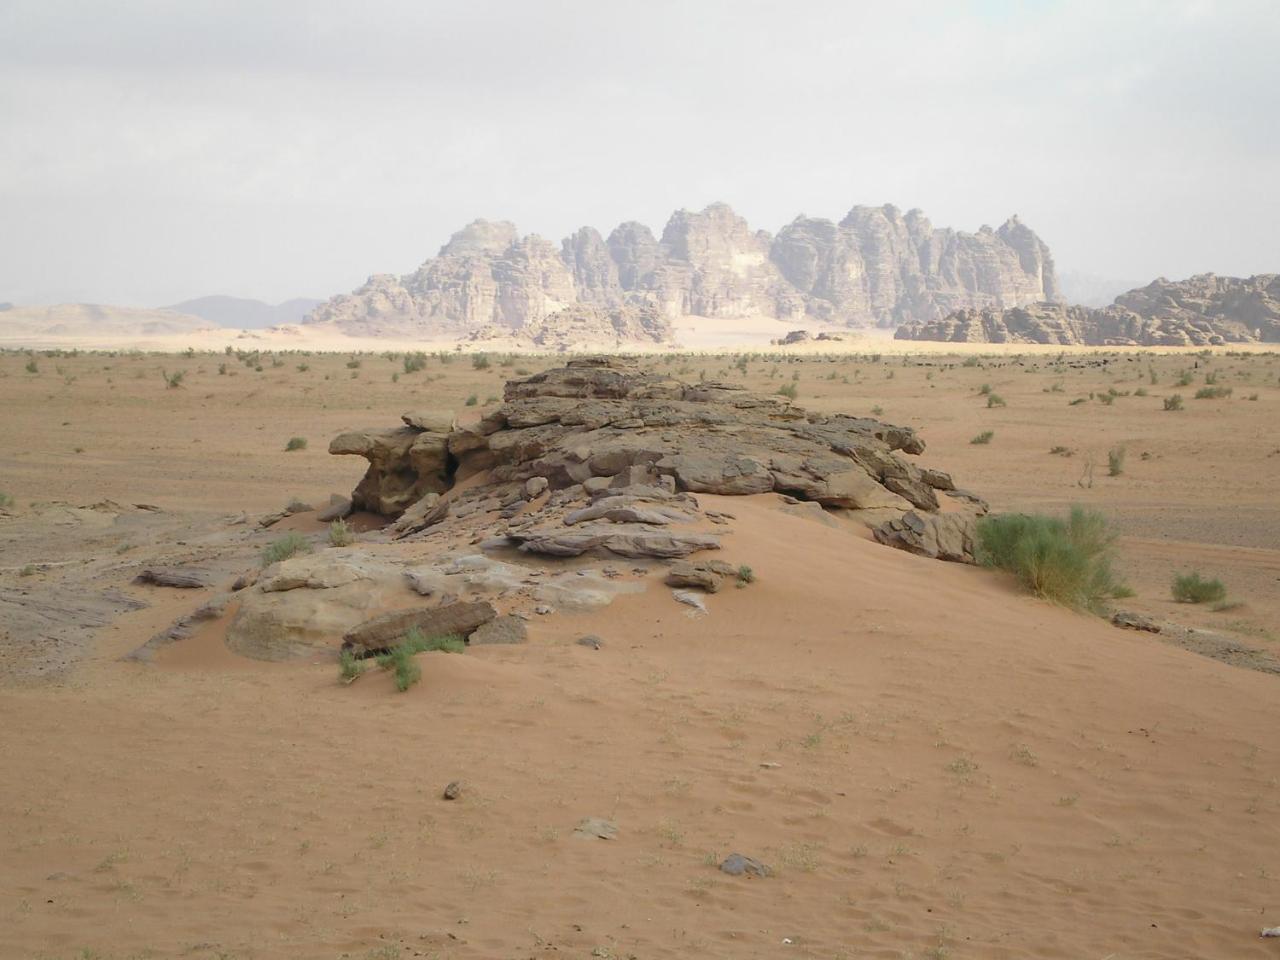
603,457
876,266
1205,310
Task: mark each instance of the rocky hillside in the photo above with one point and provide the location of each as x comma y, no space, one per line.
1205,310
877,266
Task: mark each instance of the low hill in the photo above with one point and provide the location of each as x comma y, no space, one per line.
90,319
1204,310
244,313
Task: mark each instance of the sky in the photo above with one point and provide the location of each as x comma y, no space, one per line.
157,150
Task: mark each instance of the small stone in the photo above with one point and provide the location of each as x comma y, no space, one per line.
590,640
689,598
453,790
736,865
597,828
543,609
534,487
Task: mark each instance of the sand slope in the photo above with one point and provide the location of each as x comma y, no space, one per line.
963,771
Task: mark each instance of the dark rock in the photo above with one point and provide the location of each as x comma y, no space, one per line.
387,631
737,865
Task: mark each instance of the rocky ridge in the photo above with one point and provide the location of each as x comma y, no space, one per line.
1205,310
877,266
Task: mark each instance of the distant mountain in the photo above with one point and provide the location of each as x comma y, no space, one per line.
246,314
877,266
92,319
1091,289
1204,310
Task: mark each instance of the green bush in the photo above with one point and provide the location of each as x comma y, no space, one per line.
1174,402
413,362
788,390
1190,588
6,501
1066,562
340,534
350,666
1213,393
995,400
746,575
173,380
296,443
984,437
1115,461
400,658
289,545
471,401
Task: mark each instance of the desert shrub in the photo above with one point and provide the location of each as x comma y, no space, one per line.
413,362
1252,396
296,443
877,411
340,535
1191,588
6,500
1174,402
480,361
984,437
1061,451
173,380
27,571
400,660
303,367
985,390
788,390
1140,392
1184,378
1115,461
350,666
1211,377
353,364
1106,399
1213,393
995,400
291,544
1077,401
222,369
1064,561
472,400
32,366
745,575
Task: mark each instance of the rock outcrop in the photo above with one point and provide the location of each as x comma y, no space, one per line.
1205,310
877,266
603,458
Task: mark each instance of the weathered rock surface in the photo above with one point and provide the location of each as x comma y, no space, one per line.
709,575
941,536
1205,310
300,606
876,266
383,632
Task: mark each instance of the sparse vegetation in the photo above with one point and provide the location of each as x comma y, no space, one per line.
282,548
1213,393
296,443
1067,562
400,659
173,380
413,362
1174,402
27,571
6,501
350,666
340,535
1115,461
746,575
995,400
1192,588
788,390
984,437
472,400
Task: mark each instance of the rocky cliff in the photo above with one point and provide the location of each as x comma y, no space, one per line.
1205,310
877,266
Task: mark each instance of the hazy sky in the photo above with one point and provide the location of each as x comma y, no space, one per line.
154,150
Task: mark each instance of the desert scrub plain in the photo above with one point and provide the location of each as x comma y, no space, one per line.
933,763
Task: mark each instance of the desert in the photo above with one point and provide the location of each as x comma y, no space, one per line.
928,760
638,481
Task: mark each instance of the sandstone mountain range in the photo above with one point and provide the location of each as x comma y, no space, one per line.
876,267
1204,310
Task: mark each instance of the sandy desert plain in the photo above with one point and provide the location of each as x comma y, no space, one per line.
933,762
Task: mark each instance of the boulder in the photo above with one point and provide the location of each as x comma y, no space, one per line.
500,630
388,630
943,536
707,575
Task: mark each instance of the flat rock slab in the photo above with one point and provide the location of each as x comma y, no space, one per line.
183,578
623,540
597,828
507,629
451,619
